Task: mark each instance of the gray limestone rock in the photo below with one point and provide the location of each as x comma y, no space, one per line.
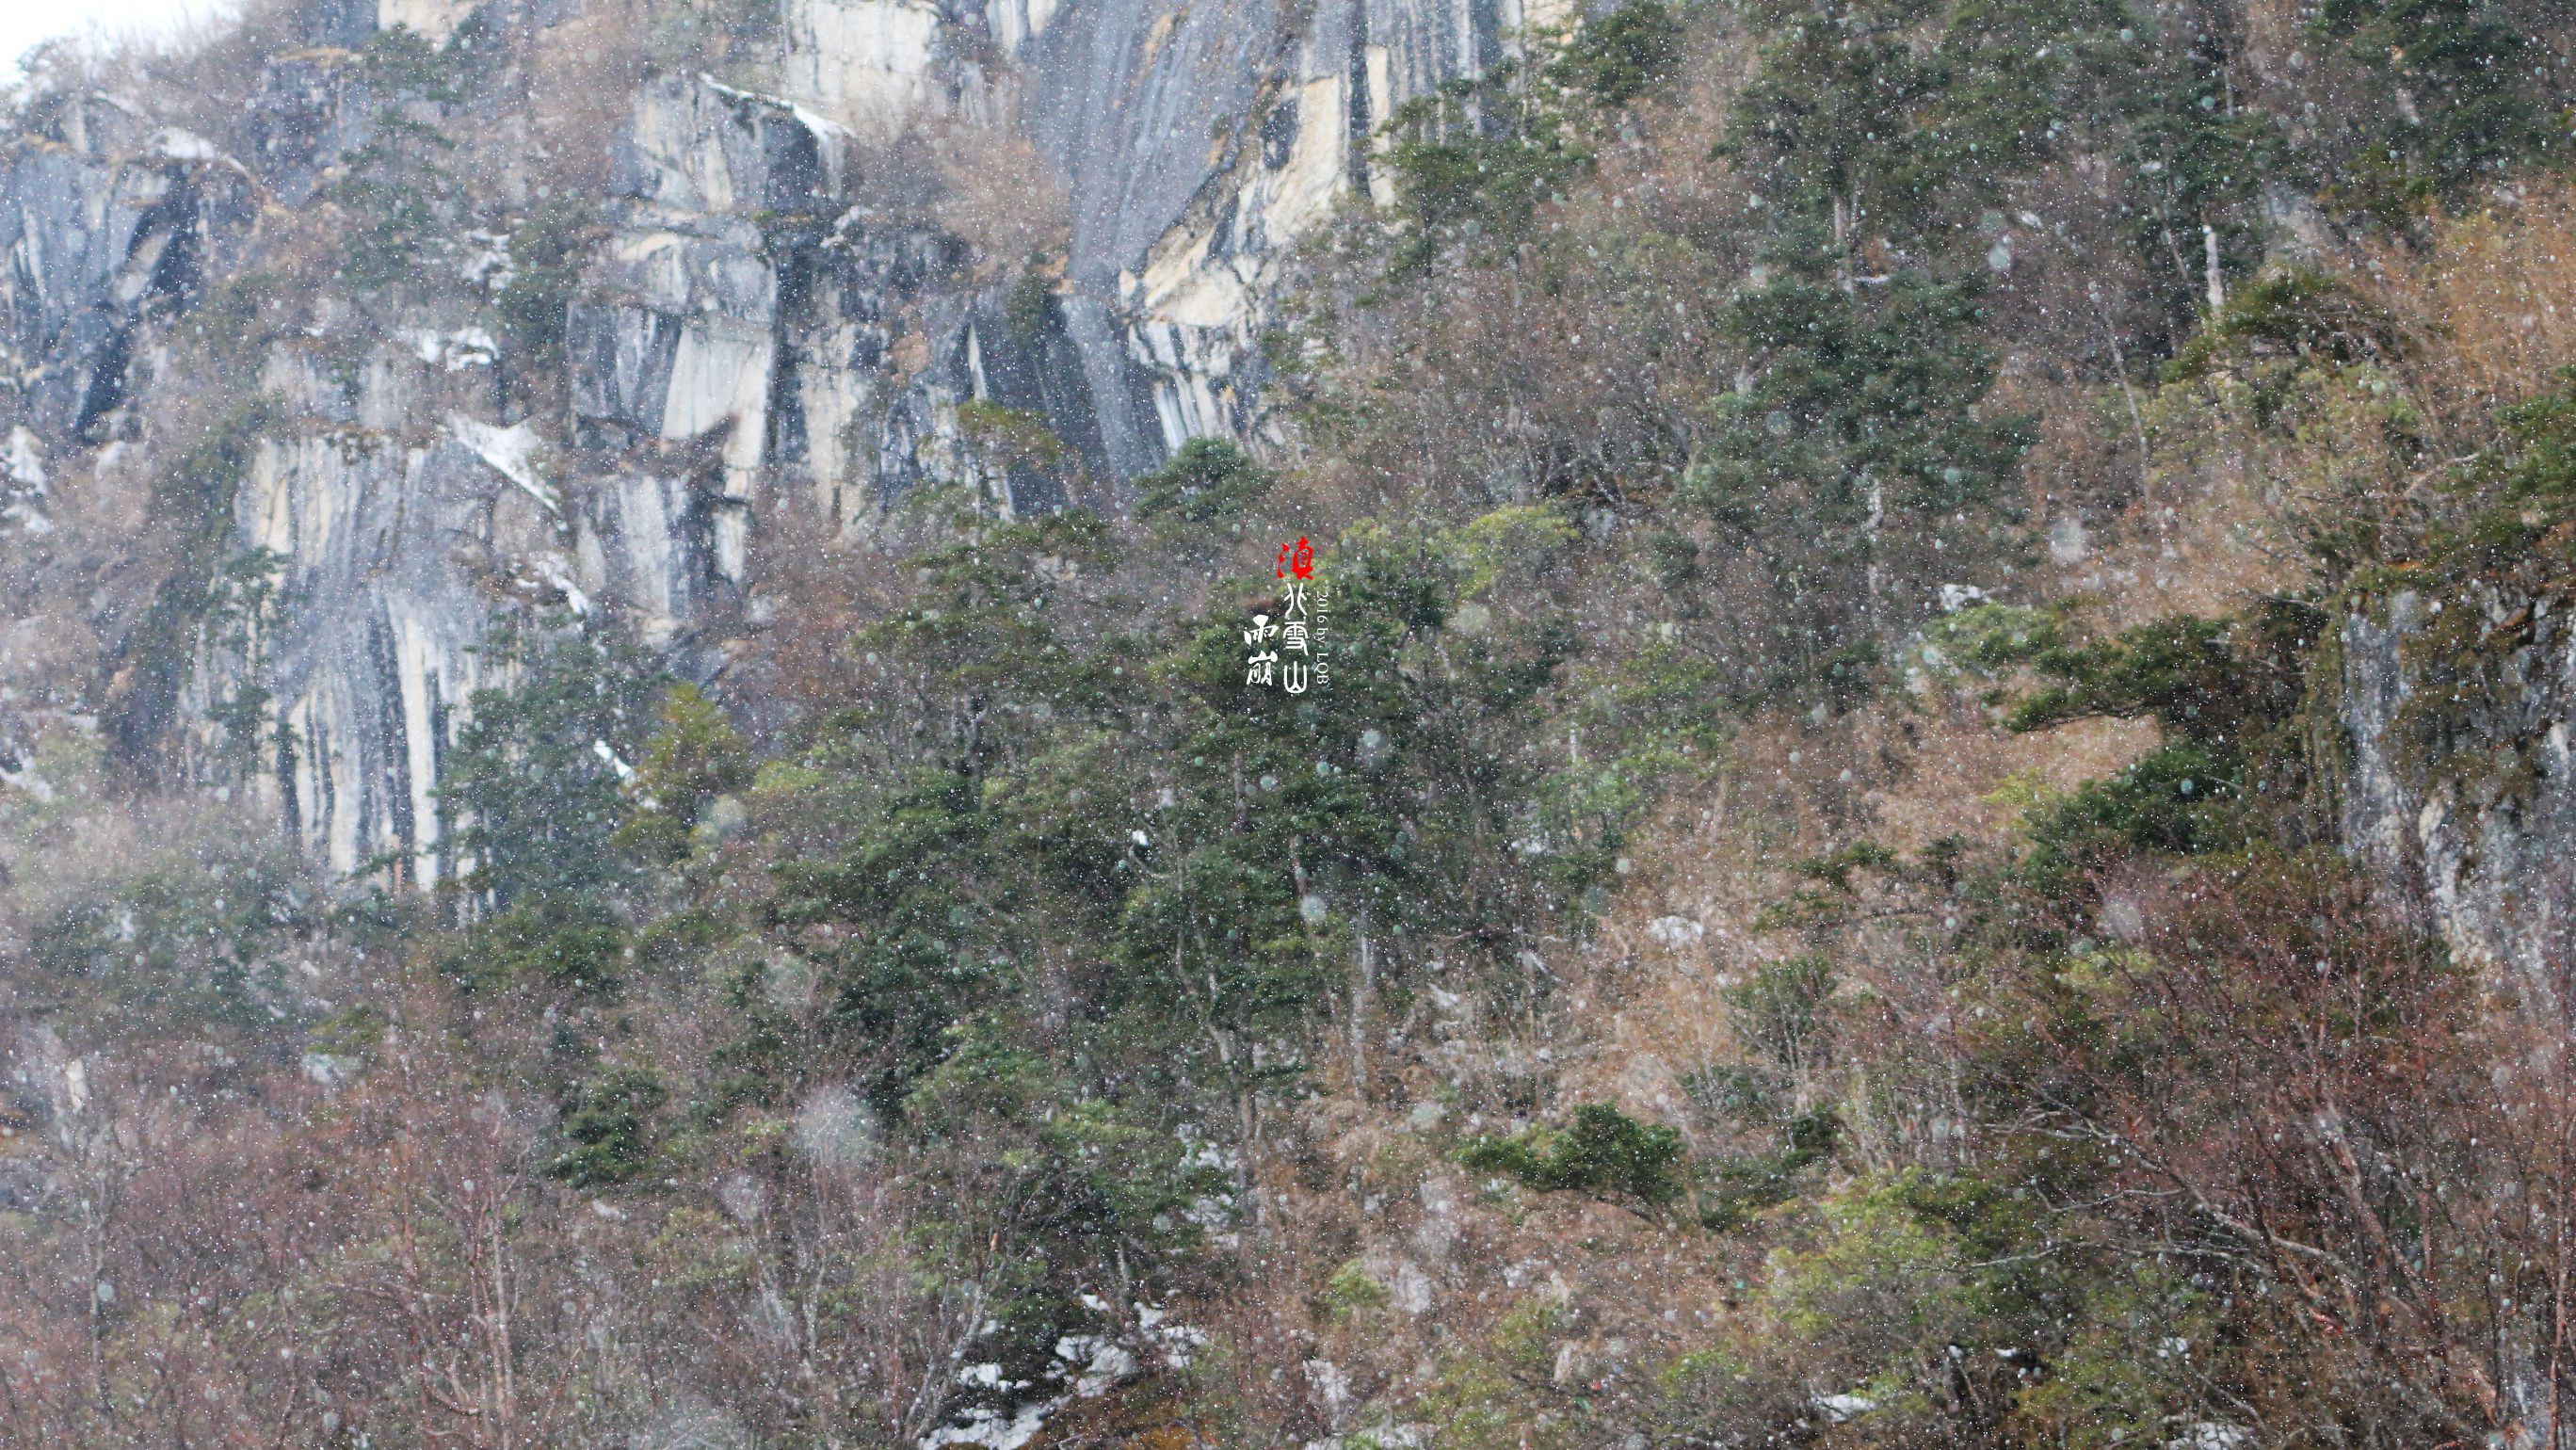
758,339
2483,816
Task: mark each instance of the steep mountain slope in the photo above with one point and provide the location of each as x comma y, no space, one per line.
742,327
852,722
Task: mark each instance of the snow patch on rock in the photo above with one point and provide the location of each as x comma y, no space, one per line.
174,144
467,347
516,453
1676,931
1839,1408
991,1428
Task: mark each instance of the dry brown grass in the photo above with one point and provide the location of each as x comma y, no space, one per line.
2211,539
2229,500
998,194
2490,306
582,73
1645,1008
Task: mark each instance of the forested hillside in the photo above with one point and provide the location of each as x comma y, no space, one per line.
652,792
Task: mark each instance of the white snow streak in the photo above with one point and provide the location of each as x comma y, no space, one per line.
513,452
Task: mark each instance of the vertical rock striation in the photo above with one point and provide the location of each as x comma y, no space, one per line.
768,333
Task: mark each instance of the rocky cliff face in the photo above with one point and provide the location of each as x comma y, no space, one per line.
112,223
2462,778
757,345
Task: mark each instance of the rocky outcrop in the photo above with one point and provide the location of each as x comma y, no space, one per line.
1198,144
109,223
874,66
744,310
312,109
2461,777
386,545
771,333
1202,143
